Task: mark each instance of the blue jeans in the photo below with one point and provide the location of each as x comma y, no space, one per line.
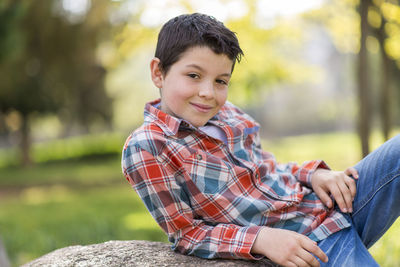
375,208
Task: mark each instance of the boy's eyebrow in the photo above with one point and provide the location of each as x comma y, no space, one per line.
201,69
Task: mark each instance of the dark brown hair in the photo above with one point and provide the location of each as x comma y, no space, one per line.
186,31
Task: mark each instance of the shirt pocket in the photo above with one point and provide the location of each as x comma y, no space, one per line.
210,174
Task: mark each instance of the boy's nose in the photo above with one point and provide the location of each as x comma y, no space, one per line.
206,90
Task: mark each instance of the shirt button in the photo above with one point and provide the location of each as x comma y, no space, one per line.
199,157
257,176
221,124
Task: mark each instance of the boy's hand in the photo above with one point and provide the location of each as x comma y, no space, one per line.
338,184
287,248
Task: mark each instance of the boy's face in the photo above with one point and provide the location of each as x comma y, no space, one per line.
196,86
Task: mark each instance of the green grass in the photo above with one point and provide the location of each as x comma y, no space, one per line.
77,202
72,148
40,219
88,171
338,150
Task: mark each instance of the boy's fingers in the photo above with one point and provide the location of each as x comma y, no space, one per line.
324,197
347,196
312,247
299,261
351,184
291,264
337,195
352,171
307,258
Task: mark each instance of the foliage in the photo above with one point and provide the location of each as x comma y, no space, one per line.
49,64
340,17
374,35
267,61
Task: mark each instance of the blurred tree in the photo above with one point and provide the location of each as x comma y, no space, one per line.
385,99
354,26
48,63
363,83
384,17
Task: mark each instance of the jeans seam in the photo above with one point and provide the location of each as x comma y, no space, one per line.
383,184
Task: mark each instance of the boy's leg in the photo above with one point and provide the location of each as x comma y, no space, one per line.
375,207
377,202
345,248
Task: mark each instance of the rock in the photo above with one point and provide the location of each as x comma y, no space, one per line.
132,253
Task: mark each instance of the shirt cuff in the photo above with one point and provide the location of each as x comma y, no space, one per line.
247,235
308,168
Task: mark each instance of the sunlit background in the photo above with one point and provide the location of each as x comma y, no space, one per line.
74,78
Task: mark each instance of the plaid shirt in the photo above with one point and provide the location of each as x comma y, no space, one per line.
212,198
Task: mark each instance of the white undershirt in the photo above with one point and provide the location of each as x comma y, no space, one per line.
215,132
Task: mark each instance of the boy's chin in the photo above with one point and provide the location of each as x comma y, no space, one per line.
199,123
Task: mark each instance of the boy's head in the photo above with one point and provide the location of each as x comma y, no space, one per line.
192,68
186,31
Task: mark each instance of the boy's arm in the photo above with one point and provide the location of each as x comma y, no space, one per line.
160,186
303,173
327,183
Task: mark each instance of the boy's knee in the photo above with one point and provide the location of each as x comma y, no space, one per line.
394,146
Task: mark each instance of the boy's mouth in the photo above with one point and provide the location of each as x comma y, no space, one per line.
201,107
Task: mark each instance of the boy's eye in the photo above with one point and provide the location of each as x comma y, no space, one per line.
193,75
222,82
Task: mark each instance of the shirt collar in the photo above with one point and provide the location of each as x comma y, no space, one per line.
169,124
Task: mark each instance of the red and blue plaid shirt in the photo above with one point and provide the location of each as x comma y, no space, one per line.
212,197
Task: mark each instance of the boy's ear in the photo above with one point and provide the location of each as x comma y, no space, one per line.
156,73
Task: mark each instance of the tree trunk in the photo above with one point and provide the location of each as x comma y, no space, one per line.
363,90
25,144
385,100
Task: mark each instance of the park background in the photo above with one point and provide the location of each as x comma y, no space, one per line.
321,76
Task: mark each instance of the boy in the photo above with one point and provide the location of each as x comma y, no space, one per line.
198,166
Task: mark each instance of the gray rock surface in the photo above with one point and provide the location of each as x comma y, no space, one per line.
131,253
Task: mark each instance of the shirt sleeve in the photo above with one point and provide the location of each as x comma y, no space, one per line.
162,189
304,172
